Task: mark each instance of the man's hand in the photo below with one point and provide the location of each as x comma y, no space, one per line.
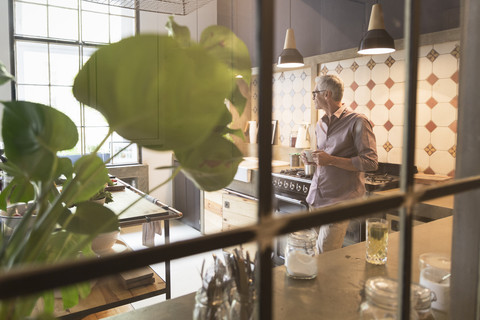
321,158
304,158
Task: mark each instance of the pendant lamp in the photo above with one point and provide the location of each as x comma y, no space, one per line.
376,40
290,56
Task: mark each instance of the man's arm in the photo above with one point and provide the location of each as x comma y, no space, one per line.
324,159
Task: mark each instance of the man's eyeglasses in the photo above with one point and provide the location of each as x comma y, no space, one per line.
314,93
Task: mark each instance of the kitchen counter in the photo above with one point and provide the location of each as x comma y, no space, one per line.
337,291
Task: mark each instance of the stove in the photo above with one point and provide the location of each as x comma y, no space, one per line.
292,183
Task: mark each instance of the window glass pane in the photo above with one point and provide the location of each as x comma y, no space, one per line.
93,118
122,11
63,100
63,23
39,94
95,27
76,151
87,53
64,64
87,5
93,136
30,19
32,63
64,3
121,27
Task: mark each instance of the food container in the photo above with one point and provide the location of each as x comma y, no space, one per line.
309,170
435,275
294,160
300,254
381,300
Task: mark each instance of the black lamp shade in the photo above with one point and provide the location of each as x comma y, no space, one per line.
290,58
376,41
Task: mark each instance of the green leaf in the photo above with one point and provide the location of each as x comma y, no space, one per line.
90,176
69,296
212,165
178,32
5,76
163,96
92,218
222,43
22,190
33,133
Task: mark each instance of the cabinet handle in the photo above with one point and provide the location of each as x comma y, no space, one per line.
226,204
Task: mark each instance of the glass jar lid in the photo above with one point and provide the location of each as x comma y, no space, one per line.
384,292
303,237
435,260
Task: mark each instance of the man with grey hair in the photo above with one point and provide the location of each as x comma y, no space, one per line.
345,150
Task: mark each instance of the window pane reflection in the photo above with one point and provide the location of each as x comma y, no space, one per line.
121,27
95,27
63,100
30,19
64,64
63,23
38,94
32,63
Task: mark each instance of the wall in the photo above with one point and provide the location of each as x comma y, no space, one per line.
323,26
375,86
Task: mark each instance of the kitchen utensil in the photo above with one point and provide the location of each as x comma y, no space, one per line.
309,169
303,138
252,131
294,160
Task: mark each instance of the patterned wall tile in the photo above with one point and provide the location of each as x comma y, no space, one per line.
444,66
442,138
424,91
444,90
424,68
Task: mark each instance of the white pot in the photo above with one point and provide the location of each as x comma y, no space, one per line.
104,242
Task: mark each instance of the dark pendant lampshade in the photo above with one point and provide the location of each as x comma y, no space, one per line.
290,56
376,40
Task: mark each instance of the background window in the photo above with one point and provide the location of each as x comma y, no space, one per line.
53,39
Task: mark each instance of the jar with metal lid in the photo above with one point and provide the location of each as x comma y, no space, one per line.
300,254
381,300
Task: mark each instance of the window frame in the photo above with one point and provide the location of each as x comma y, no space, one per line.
82,46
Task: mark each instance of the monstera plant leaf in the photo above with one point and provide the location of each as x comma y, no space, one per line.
154,92
212,165
5,76
33,134
222,43
180,33
88,211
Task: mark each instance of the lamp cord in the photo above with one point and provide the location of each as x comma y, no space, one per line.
290,12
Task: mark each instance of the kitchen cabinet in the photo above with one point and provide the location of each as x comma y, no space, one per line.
238,211
212,212
186,199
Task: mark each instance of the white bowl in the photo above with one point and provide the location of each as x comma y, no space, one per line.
104,241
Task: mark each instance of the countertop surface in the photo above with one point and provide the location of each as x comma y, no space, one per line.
337,291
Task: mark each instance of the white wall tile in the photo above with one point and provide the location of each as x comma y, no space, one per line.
297,100
395,156
347,76
380,94
297,84
380,58
443,114
444,90
362,75
348,96
424,91
362,95
422,138
444,66
424,68
398,55
443,138
362,60
287,101
424,114
298,116
397,71
422,160
397,93
446,47
396,115
442,162
381,135
382,154
364,110
380,73
347,63
379,115
424,50
395,136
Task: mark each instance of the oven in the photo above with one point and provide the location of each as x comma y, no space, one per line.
291,186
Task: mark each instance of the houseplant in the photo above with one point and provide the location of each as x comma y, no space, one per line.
159,92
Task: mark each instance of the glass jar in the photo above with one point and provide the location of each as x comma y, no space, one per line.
243,306
300,254
215,308
435,275
381,300
293,138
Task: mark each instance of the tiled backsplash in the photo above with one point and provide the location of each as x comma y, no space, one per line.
375,86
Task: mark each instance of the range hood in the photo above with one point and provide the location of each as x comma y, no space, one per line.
177,7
